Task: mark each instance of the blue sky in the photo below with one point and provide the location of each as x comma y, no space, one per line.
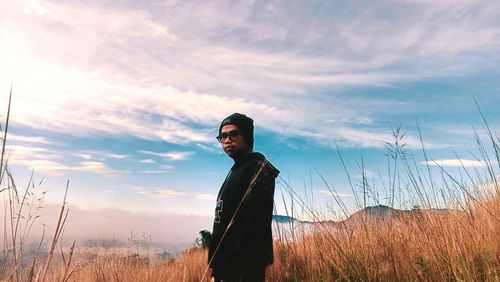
124,98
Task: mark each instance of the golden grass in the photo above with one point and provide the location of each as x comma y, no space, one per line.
188,267
421,246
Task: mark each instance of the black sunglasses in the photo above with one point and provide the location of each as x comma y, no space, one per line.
232,135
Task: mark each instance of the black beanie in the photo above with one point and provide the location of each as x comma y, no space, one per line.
243,122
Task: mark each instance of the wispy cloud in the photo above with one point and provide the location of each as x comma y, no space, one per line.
160,76
160,193
173,194
213,148
19,152
456,163
165,168
95,167
99,155
53,162
28,139
117,156
85,156
205,197
57,168
153,72
172,156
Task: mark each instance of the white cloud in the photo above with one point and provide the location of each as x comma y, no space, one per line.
53,162
147,161
175,156
95,167
161,193
57,168
117,156
85,156
212,148
112,70
27,139
172,156
456,163
99,155
356,137
205,197
174,194
19,153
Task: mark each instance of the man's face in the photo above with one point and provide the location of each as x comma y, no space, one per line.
233,148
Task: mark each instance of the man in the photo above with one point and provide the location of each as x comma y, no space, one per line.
242,244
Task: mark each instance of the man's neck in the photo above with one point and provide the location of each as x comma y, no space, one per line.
238,158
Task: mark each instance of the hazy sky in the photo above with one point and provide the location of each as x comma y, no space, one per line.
124,98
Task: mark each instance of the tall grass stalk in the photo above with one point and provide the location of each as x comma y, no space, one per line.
21,211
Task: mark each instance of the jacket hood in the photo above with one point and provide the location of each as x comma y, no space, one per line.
249,156
268,168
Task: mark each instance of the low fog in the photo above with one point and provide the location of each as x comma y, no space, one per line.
89,227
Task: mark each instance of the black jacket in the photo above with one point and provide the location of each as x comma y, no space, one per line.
248,241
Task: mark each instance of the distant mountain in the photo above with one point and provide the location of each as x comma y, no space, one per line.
374,213
380,212
284,219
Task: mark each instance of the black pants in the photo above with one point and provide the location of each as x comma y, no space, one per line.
247,274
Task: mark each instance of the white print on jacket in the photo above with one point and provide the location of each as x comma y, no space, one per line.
218,211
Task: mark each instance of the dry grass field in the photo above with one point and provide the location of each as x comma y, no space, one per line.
421,246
